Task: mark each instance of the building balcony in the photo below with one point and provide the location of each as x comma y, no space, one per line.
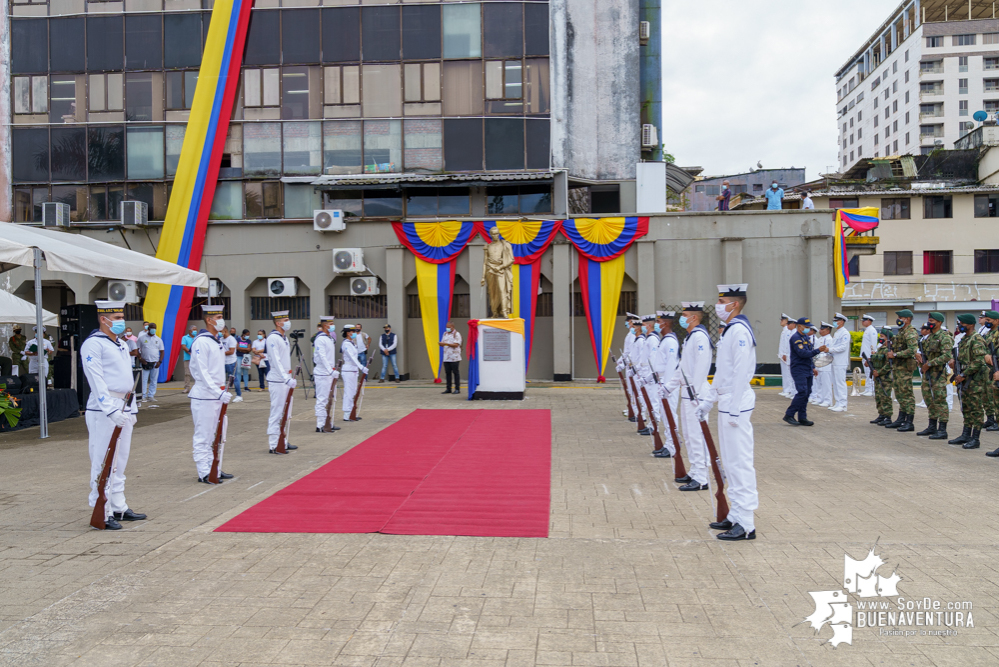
862,245
934,70
937,114
936,92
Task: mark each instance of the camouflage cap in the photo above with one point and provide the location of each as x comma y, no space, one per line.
966,318
937,316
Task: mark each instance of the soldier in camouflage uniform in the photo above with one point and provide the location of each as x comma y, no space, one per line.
881,371
938,348
903,356
992,342
971,377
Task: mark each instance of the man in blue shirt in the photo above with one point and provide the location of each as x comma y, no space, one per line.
775,195
185,344
802,371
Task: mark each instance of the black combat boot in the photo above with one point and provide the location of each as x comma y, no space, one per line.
963,438
941,433
907,426
898,422
929,430
994,453
994,426
973,443
990,421
878,420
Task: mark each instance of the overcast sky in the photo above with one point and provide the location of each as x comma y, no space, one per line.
747,81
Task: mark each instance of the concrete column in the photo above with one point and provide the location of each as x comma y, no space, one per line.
395,289
476,295
561,311
732,260
819,275
646,277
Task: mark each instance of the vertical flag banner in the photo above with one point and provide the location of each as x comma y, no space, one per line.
601,244
530,239
183,238
858,220
435,246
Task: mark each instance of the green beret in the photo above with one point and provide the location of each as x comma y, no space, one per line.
888,332
992,315
966,318
905,312
937,316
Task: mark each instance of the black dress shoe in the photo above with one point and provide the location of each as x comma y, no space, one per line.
446,392
721,525
682,480
291,447
111,524
129,515
225,475
274,451
633,419
788,419
355,419
319,430
877,420
692,485
736,532
662,454
645,431
806,422
204,480
328,430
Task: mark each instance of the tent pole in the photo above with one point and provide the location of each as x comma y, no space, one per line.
43,408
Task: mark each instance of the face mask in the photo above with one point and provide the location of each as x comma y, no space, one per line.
774,186
260,336
152,331
145,327
286,326
721,310
684,322
128,333
988,325
118,327
220,325
655,327
899,322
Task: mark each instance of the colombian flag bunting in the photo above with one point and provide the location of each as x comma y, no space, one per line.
859,220
601,243
530,239
183,237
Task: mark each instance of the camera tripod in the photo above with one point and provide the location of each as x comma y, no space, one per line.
303,363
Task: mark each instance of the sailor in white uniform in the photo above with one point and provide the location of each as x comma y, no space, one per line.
734,368
350,371
209,393
784,355
643,370
280,381
664,363
622,363
695,362
108,367
840,349
822,386
324,371
868,345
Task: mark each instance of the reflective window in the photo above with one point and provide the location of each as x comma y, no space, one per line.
106,92
30,148
537,90
349,201
144,42
463,144
105,43
105,202
262,149
341,34
382,203
462,31
462,87
295,93
504,143
227,204
536,29
342,147
300,36
423,145
303,148
180,87
28,203
67,48
504,29
143,96
263,39
342,84
106,153
502,200
535,199
437,201
69,154
505,86
29,45
380,33
155,196
261,87
538,136
182,40
174,142
300,200
422,82
382,146
145,152
381,90
263,200
31,94
421,201
76,197
421,32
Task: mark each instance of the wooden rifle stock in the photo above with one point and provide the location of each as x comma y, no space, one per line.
213,474
331,402
283,437
679,469
358,394
721,502
652,416
634,392
624,386
99,516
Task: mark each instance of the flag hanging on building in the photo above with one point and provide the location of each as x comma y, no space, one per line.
858,220
183,237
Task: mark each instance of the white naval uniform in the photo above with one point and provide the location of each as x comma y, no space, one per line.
108,368
868,345
840,349
664,362
278,378
349,371
784,352
324,372
644,379
208,370
822,384
734,368
695,362
33,359
622,365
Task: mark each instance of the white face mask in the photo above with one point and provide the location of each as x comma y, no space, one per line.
286,326
721,310
220,325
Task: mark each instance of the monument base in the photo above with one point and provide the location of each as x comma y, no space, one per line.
498,396
502,373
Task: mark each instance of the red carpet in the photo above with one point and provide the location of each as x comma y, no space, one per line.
434,472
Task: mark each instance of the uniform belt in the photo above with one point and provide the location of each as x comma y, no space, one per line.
117,394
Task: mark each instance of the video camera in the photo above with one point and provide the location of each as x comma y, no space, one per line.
297,334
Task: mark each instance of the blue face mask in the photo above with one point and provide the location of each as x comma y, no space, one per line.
118,327
684,322
655,327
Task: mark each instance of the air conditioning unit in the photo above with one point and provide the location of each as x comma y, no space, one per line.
650,137
213,290
123,290
348,260
328,220
134,213
55,214
281,287
644,32
364,286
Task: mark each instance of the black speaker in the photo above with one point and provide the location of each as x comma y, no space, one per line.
76,321
12,383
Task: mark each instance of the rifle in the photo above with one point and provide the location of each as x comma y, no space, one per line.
679,470
957,371
283,437
721,502
331,402
99,516
870,364
219,444
652,417
634,392
624,385
924,379
359,394
995,363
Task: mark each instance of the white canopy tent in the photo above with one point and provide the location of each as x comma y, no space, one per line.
15,310
22,245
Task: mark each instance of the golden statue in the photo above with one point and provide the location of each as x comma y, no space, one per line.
497,274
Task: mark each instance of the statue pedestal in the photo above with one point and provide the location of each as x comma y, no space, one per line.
502,366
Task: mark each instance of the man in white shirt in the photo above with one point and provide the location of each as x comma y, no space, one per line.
822,386
840,349
622,363
325,373
151,353
784,355
229,346
664,362
806,201
280,380
33,357
351,371
362,342
868,344
209,392
451,342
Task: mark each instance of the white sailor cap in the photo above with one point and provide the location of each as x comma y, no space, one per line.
665,314
327,318
839,316
692,305
785,316
826,325
649,318
733,289
631,316
107,307
35,329
865,316
212,308
278,314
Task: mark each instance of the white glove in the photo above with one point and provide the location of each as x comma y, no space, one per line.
364,370
119,418
292,383
225,397
132,418
702,412
336,375
733,419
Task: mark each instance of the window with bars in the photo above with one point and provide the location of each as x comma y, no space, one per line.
987,261
371,307
261,307
898,263
460,306
986,206
938,207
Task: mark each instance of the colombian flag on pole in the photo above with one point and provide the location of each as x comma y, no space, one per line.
601,244
183,237
859,220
